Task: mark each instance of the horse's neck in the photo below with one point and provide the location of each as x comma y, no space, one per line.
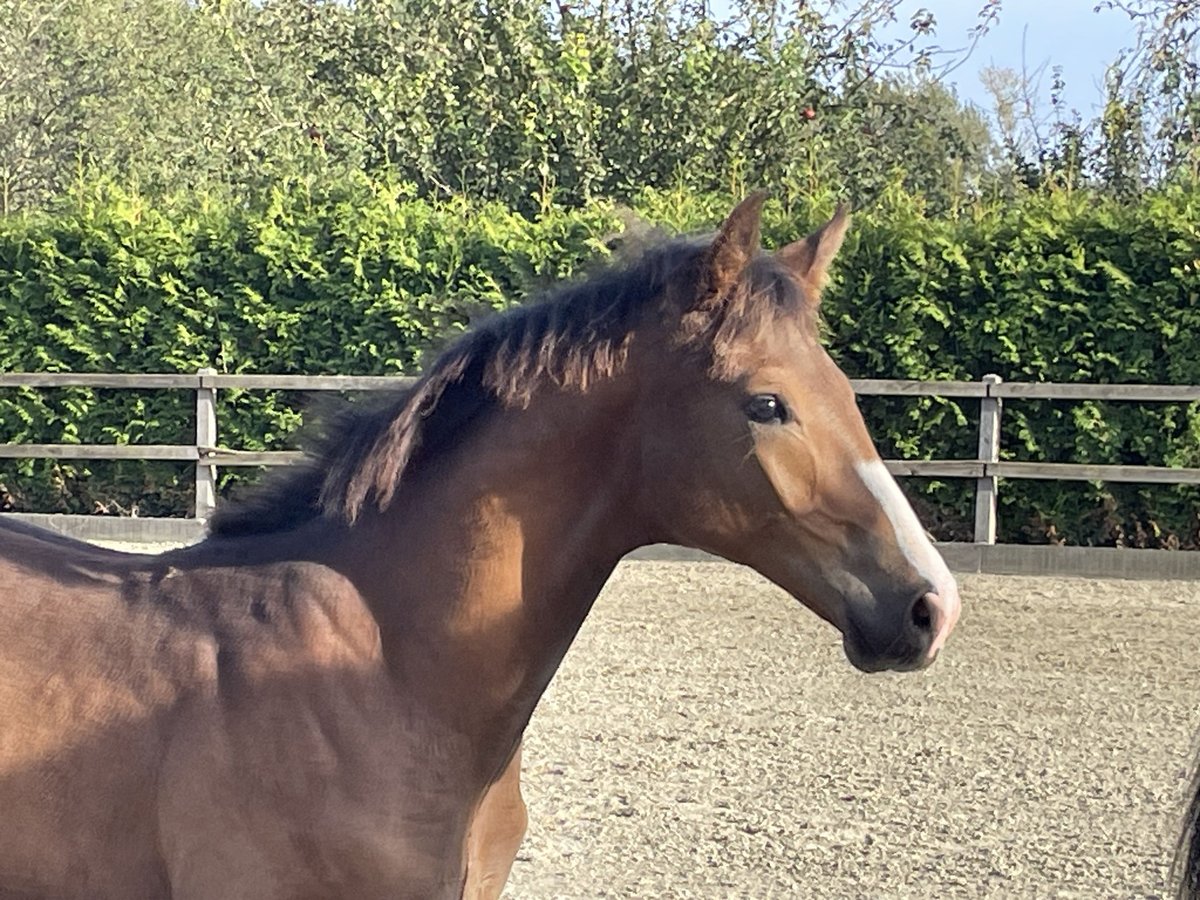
495,557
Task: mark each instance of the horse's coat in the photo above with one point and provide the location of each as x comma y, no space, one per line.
326,697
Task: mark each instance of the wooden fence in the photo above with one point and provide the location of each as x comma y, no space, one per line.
986,469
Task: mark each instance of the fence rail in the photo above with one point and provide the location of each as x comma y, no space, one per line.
207,454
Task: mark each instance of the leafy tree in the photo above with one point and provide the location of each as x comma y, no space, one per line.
1148,132
157,92
524,101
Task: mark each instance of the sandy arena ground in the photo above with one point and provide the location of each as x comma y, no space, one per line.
706,738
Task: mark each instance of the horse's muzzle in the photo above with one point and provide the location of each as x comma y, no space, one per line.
911,643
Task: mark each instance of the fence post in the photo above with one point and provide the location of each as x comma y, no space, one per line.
989,451
206,438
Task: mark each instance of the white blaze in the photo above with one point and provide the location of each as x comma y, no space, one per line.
916,547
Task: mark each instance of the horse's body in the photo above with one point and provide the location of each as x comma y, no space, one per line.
241,735
325,699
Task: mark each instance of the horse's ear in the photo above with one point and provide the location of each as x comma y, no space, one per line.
734,246
810,258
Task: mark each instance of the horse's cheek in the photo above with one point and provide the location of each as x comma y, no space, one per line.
791,469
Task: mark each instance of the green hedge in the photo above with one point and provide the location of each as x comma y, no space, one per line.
1061,286
360,278
352,278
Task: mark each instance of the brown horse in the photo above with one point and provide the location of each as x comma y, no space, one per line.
326,698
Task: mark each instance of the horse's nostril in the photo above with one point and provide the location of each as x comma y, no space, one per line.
922,615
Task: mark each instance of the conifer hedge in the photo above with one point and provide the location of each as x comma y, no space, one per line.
359,277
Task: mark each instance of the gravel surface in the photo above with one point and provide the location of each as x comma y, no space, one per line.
706,738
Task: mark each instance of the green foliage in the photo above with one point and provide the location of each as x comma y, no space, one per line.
1056,286
1064,287
1148,132
525,102
164,93
350,277
300,170
357,277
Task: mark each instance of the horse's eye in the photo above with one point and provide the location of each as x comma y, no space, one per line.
765,408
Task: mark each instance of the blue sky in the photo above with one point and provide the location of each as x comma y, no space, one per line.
1056,32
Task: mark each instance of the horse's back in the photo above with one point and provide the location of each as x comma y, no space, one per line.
70,609
34,559
14,530
87,675
211,722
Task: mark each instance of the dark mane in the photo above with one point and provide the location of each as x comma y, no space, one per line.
576,335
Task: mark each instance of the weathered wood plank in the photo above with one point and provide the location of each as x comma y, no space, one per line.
987,488
943,468
1001,559
310,382
205,499
131,529
1083,562
99,451
884,387
1083,472
223,457
865,386
96,380
954,468
1150,393
192,382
